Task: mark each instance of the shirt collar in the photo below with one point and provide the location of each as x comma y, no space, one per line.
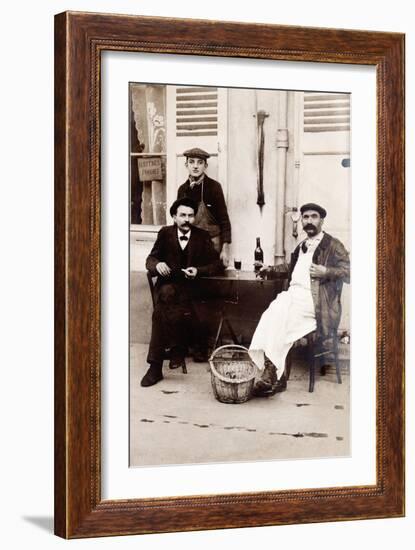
196,181
180,234
316,239
313,241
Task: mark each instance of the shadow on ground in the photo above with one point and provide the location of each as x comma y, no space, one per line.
43,522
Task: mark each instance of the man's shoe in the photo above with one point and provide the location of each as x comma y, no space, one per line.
281,385
178,363
267,381
261,389
270,372
152,376
265,389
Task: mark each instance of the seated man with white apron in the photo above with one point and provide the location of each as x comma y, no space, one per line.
212,214
319,267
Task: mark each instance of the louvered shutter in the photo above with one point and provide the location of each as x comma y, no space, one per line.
196,112
326,112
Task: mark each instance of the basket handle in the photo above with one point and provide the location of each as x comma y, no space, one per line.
228,346
216,373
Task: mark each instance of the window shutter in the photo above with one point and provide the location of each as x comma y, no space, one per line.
196,111
326,112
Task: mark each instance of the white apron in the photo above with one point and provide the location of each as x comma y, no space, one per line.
289,317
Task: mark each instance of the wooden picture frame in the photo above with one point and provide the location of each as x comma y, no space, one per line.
79,40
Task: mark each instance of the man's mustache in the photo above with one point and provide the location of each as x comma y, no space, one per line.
309,226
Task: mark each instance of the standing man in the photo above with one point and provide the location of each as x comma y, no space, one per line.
212,214
319,267
181,254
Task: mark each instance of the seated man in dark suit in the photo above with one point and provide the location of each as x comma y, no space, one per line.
181,254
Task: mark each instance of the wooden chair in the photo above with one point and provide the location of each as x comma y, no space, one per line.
150,279
317,358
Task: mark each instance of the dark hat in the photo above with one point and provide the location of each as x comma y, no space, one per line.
313,206
196,153
184,201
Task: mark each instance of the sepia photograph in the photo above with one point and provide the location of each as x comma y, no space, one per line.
239,293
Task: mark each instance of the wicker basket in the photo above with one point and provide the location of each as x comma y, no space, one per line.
232,374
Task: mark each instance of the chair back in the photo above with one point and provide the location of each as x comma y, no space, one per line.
151,279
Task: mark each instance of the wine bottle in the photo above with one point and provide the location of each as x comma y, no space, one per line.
258,255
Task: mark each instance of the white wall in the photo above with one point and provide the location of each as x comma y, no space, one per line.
248,221
26,275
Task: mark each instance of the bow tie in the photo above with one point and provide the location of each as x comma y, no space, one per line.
184,238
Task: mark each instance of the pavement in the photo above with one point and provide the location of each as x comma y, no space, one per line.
179,421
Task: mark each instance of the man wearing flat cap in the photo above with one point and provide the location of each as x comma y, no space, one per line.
212,213
319,266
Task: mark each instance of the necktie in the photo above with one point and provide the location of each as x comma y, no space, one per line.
304,247
184,238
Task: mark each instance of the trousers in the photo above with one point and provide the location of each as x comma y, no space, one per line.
176,321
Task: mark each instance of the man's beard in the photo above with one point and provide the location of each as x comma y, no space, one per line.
310,228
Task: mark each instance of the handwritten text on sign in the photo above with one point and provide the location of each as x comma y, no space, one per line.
150,169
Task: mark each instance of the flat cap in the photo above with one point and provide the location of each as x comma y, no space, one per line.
313,206
196,153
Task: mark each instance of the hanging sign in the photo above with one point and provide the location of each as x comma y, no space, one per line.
149,169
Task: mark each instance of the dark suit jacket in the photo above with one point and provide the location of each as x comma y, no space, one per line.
200,254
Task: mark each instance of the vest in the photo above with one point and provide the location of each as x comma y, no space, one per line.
183,255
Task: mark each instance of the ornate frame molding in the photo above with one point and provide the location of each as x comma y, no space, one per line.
79,40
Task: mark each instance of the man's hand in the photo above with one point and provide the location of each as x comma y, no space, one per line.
190,272
225,254
264,270
318,271
163,269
